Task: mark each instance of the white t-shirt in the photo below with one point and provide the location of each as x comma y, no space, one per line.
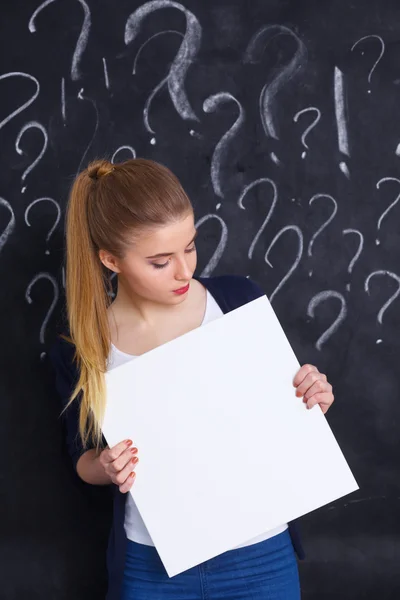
135,528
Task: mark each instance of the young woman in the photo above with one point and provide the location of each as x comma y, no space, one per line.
135,220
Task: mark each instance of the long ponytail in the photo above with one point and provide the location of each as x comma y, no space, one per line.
87,303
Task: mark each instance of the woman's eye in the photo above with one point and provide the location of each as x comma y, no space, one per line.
192,249
156,266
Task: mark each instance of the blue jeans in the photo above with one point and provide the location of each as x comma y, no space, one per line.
263,571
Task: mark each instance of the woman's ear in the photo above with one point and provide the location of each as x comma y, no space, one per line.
109,261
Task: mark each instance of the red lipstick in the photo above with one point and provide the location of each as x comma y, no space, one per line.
182,290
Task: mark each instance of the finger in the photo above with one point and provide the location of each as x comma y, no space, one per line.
320,386
125,487
121,477
120,463
127,476
302,374
116,451
324,400
310,379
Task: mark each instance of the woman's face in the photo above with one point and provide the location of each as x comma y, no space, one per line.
160,264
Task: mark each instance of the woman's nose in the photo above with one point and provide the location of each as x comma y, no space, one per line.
183,272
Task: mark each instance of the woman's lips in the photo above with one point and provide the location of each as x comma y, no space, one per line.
182,290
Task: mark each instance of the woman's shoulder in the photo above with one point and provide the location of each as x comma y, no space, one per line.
232,290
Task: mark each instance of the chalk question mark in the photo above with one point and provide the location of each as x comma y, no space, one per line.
211,104
271,89
297,260
185,56
383,215
249,187
391,299
358,252
83,36
216,257
159,86
315,302
324,225
310,127
28,298
28,103
10,225
31,125
58,216
382,52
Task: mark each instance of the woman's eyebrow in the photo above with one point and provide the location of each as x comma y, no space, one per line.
164,254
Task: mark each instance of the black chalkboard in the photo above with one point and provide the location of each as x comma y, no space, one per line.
280,119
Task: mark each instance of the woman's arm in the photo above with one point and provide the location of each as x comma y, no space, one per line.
90,469
111,465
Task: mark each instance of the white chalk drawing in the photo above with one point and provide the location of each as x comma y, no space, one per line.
106,78
385,213
25,128
284,74
57,219
324,224
297,260
341,118
163,83
211,104
383,273
26,104
358,252
249,187
48,277
83,36
315,302
216,257
381,53
120,149
310,127
185,56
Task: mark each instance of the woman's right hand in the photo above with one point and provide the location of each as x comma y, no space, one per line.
119,463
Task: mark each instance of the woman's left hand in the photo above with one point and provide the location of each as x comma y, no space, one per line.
314,387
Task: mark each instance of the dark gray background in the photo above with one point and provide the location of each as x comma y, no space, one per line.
263,62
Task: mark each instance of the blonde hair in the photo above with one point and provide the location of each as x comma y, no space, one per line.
107,204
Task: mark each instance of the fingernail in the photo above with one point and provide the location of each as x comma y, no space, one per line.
133,450
128,443
135,460
132,475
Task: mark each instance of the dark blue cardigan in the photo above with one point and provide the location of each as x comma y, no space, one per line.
230,292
